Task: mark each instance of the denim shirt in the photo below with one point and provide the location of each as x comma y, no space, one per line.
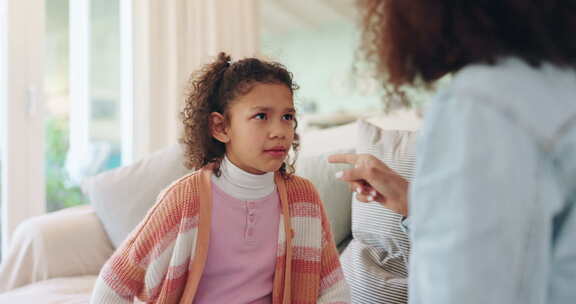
492,205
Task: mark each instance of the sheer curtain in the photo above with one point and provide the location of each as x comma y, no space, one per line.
171,39
22,43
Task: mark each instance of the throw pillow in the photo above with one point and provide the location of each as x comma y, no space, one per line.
122,197
375,262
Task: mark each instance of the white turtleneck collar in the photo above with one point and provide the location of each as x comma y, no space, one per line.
241,184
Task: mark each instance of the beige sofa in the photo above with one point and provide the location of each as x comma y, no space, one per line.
56,258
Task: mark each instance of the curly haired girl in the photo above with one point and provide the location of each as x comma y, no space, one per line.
243,228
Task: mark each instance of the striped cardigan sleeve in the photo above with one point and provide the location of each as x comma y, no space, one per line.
333,286
132,271
120,279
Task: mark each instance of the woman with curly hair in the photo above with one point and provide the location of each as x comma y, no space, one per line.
243,228
491,212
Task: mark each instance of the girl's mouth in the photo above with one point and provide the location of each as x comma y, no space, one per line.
276,152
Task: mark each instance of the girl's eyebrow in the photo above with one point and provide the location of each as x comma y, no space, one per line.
267,109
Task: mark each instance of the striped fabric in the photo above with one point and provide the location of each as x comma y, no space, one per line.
375,262
163,258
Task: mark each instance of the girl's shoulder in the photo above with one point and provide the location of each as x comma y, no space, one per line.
182,195
300,189
177,203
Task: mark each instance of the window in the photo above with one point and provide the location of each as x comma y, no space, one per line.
317,41
82,132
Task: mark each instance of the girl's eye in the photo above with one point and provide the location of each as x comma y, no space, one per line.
260,116
288,117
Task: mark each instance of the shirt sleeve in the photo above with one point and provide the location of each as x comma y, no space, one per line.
472,207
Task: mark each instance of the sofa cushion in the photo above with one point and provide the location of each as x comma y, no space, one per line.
335,194
64,290
66,243
375,262
121,197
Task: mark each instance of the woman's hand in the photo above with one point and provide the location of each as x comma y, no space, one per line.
374,181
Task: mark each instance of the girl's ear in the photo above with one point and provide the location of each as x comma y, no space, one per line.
218,127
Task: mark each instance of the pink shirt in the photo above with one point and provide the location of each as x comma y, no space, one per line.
242,250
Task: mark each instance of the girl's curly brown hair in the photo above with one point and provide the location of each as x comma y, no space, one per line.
212,89
419,41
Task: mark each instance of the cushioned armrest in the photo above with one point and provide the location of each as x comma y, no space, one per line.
70,242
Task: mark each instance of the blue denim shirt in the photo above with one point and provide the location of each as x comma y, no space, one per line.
492,205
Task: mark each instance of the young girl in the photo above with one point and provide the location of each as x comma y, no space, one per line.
243,228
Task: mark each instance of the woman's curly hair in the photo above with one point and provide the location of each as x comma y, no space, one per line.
212,89
419,41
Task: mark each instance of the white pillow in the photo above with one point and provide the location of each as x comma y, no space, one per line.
121,197
335,194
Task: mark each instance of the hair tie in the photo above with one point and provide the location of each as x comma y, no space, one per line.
226,58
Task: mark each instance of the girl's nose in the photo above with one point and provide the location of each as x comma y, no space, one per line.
277,134
278,130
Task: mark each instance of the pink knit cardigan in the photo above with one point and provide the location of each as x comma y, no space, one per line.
163,258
